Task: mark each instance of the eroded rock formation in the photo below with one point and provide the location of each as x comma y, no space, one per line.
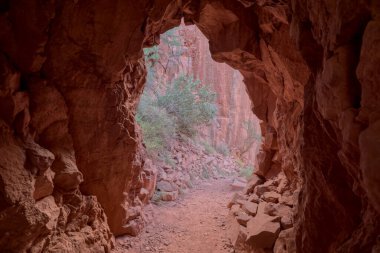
72,74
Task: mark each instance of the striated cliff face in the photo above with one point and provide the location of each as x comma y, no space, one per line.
235,126
71,76
235,109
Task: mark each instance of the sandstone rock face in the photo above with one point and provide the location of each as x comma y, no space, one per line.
72,74
43,185
285,242
235,127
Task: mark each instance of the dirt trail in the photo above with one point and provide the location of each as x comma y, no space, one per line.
197,222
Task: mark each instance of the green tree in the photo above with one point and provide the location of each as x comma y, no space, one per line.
178,109
191,103
156,124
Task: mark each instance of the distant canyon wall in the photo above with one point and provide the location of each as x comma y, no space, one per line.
235,126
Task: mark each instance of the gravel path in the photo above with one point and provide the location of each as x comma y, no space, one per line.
196,222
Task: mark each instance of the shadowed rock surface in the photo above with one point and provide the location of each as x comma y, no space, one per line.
71,76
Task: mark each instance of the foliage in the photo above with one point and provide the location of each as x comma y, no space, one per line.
172,109
156,124
171,39
165,156
221,172
223,149
189,102
151,55
205,174
209,149
246,171
178,109
240,162
251,130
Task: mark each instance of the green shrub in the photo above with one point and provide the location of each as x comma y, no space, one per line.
166,157
205,174
209,149
157,125
179,109
189,102
223,149
246,172
174,109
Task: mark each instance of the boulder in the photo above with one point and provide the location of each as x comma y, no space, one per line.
169,196
235,209
48,207
43,186
149,178
40,159
281,210
237,196
67,175
134,212
286,222
254,181
134,227
166,186
253,198
262,231
271,197
250,208
266,187
286,200
283,183
242,218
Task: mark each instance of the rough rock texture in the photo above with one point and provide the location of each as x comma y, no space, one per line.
262,219
71,76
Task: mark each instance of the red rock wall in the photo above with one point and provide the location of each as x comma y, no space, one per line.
71,78
234,106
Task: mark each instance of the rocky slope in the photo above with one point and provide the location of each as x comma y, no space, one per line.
263,216
71,76
187,164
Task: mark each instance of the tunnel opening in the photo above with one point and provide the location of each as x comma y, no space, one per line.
201,137
190,98
72,164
